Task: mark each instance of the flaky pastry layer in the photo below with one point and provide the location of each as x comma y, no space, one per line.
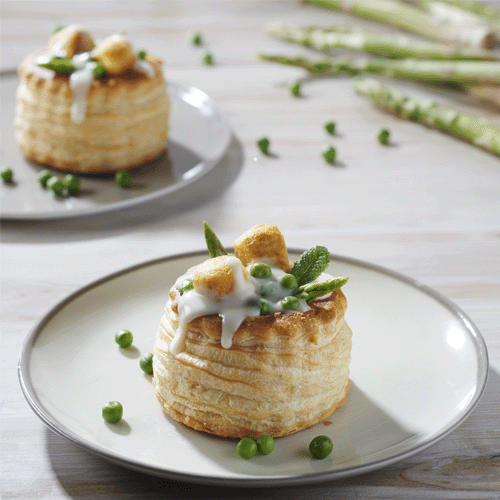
283,372
126,122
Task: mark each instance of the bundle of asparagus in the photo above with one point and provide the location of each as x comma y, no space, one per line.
412,19
386,45
479,8
477,131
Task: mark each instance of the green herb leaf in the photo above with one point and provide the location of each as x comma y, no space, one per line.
215,248
60,65
312,291
99,70
311,264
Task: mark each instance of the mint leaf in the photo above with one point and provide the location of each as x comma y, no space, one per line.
215,248
311,264
312,291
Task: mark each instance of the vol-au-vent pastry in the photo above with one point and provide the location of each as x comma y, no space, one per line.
251,343
87,108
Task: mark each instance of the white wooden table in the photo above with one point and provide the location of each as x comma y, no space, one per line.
429,207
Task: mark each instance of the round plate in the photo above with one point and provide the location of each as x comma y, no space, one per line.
418,369
198,138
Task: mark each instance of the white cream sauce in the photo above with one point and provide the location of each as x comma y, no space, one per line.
240,304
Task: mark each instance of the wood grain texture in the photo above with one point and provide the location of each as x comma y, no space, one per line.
427,206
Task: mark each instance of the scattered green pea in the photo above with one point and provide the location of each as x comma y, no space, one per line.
196,39
124,338
207,59
99,70
146,363
56,185
112,412
330,127
321,447
264,308
265,444
123,178
260,270
329,153
141,55
72,184
290,303
383,136
185,285
295,88
43,177
7,175
263,144
289,282
267,289
246,448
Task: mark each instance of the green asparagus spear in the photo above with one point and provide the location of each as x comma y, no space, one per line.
461,72
477,131
386,45
479,8
412,19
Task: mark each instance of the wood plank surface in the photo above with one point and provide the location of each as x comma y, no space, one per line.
428,206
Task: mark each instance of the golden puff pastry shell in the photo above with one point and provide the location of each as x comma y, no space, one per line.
283,372
126,122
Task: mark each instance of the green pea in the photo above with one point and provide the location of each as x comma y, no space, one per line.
289,282
246,448
264,308
124,338
196,39
56,185
321,447
330,127
185,285
265,444
43,177
329,153
7,175
112,412
207,59
260,270
290,303
263,144
268,289
99,70
383,136
295,89
141,55
146,363
123,178
72,184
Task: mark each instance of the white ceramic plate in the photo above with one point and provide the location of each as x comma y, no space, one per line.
418,369
198,138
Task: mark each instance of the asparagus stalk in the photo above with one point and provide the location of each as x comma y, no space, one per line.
477,131
461,72
387,45
412,19
445,12
480,9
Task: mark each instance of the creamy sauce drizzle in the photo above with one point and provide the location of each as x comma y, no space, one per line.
240,304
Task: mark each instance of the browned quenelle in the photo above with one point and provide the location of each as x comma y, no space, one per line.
262,241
